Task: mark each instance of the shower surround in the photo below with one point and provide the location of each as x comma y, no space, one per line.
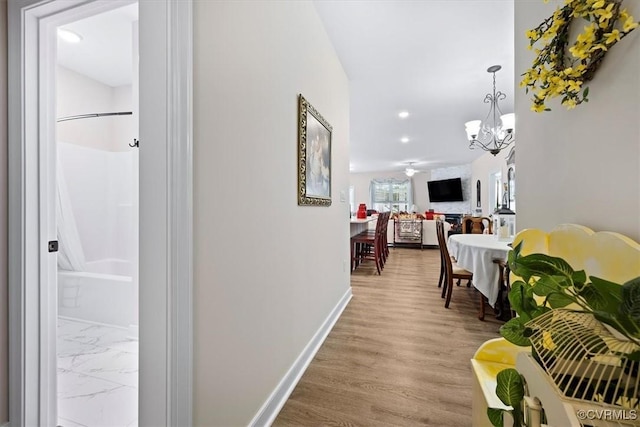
102,194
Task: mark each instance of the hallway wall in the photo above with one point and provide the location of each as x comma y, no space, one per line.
267,272
582,165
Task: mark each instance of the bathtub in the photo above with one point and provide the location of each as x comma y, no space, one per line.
105,293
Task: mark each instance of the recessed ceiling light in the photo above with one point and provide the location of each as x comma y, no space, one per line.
403,114
69,36
404,139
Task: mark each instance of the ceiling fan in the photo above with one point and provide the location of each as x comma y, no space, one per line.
409,170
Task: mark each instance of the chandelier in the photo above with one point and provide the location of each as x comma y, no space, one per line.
497,130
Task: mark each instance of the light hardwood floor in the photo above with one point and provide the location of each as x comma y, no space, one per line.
396,357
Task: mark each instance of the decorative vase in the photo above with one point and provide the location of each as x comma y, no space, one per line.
362,211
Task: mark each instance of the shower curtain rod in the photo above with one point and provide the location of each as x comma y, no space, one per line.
90,116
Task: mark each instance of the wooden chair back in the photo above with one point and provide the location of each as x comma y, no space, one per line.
476,225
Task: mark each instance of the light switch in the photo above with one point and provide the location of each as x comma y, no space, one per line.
343,196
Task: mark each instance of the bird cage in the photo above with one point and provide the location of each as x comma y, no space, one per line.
588,366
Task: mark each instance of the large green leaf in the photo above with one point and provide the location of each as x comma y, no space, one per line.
622,323
579,278
610,292
548,284
510,389
515,332
559,299
593,297
495,416
633,356
520,301
545,265
631,299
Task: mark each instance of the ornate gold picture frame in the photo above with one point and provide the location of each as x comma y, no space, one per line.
314,156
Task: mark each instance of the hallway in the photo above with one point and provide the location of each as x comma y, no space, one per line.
396,356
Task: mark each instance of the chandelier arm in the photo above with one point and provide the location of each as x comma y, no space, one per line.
495,145
491,136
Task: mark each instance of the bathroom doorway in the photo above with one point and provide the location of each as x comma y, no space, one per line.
97,219
165,185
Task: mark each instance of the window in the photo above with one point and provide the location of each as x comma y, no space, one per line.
495,190
391,195
352,199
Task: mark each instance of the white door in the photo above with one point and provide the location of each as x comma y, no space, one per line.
165,127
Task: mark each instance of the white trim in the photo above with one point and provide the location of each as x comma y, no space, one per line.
180,113
272,406
166,218
165,362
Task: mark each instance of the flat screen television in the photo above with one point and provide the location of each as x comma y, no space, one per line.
445,190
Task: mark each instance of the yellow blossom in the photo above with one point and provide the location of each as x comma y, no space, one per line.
605,13
598,4
538,108
574,86
629,24
598,46
612,37
532,34
570,103
578,52
587,34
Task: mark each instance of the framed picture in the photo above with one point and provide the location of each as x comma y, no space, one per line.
314,156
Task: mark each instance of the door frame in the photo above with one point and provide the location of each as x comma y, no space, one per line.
166,146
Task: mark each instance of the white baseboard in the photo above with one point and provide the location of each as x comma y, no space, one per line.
272,406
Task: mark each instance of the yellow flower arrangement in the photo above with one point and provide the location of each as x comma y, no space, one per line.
561,72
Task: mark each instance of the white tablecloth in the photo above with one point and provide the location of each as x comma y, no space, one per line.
476,252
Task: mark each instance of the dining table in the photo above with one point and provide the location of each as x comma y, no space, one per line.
358,225
475,253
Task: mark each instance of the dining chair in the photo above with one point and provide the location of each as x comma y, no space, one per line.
368,245
451,270
476,225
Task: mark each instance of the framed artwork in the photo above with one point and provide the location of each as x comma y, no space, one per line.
314,156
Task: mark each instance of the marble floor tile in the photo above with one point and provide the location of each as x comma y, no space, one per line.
97,375
93,402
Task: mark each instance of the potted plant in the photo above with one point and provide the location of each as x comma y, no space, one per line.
550,284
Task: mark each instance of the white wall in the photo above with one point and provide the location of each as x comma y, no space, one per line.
361,181
99,185
583,165
267,272
464,173
79,94
481,169
4,309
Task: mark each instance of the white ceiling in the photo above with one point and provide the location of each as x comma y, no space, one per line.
105,52
428,57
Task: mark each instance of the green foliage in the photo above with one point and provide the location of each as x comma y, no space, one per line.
556,285
550,283
630,293
510,390
495,416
